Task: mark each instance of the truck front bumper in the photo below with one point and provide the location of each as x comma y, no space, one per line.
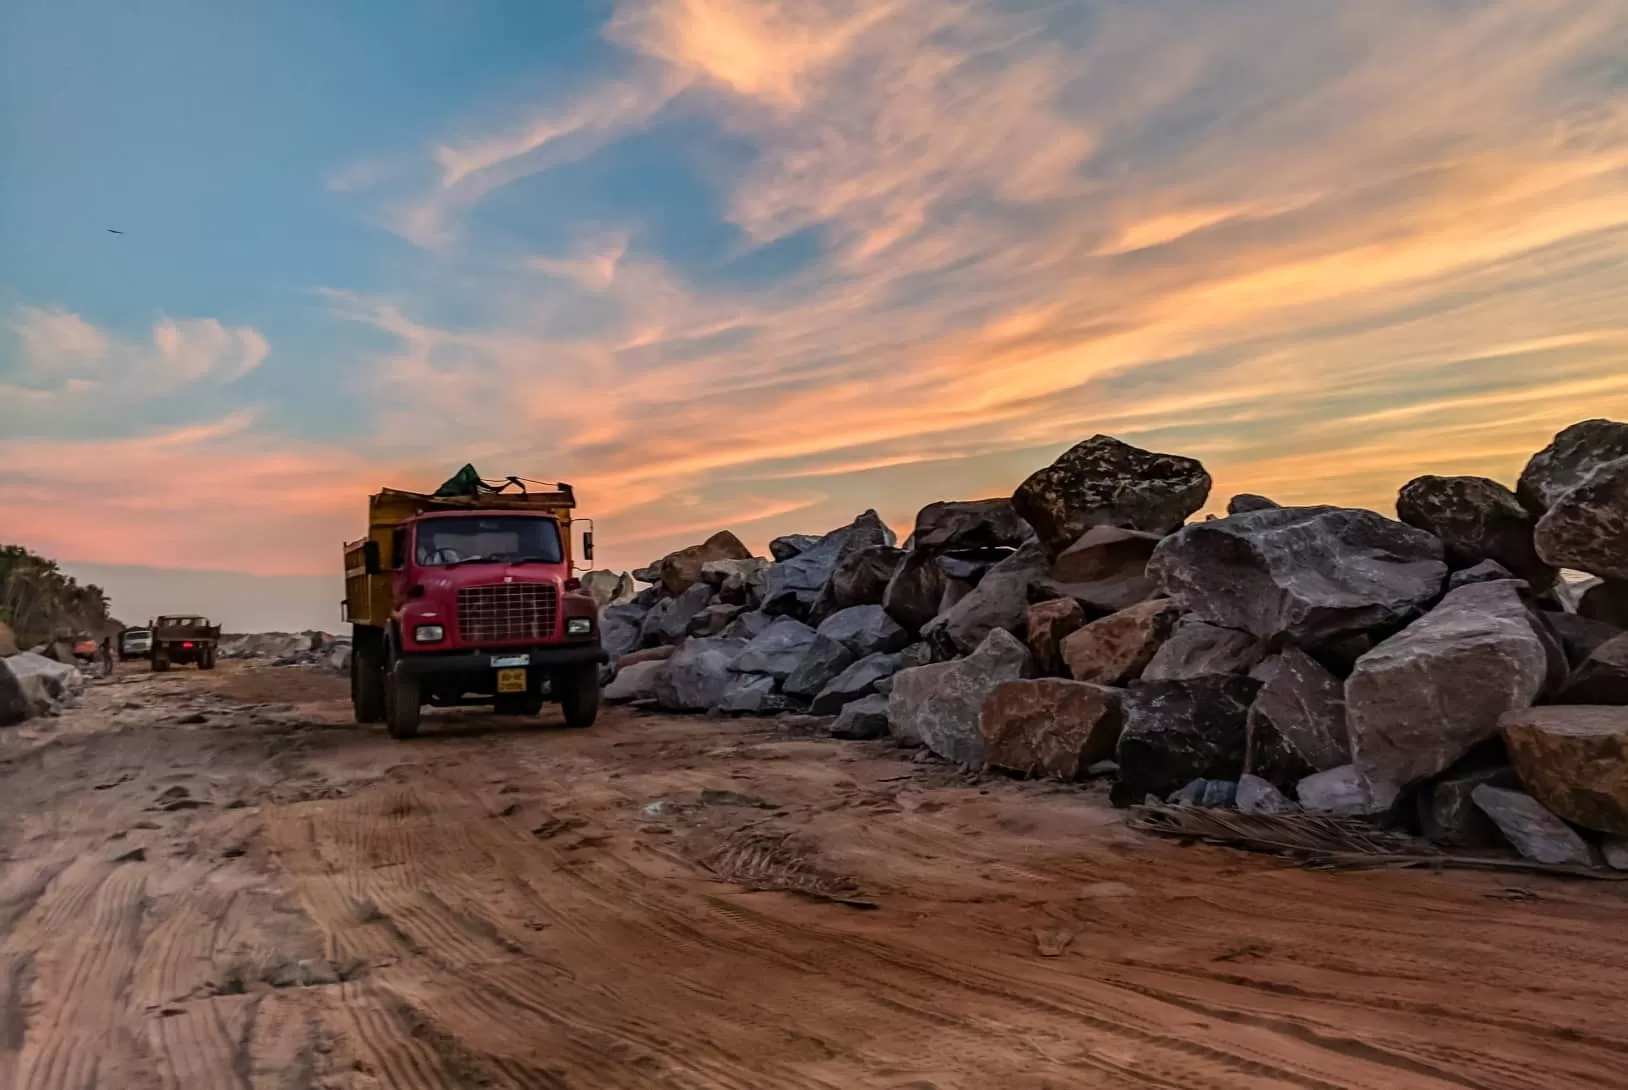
552,656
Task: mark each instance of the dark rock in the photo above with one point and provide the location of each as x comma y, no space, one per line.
862,720
954,591
655,619
649,654
737,582
819,666
752,694
1579,635
1536,833
1605,601
714,620
1105,552
913,594
1586,528
1340,790
1117,648
1421,699
862,578
678,571
1178,731
939,705
795,586
1047,626
1557,669
865,630
784,548
1245,502
917,654
675,622
1602,678
698,674
1206,794
969,524
1257,796
858,680
777,650
749,626
1487,571
636,681
620,629
1448,815
1296,725
15,706
1105,482
969,567
1575,761
1477,519
1615,851
1196,649
1568,460
1050,727
1001,600
1311,574
1099,597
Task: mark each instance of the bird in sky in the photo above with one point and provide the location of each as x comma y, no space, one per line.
114,231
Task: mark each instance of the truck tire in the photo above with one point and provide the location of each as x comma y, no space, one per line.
160,660
206,659
366,683
578,692
401,703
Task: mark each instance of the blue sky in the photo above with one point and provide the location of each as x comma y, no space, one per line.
762,263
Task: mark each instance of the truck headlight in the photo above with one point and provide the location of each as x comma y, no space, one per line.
578,626
429,633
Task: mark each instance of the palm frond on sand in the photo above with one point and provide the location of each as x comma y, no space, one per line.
775,861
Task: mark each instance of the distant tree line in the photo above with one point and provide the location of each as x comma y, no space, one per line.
40,602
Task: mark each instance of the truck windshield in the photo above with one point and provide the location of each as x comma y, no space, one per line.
497,539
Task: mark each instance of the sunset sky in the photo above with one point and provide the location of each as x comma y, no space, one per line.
762,264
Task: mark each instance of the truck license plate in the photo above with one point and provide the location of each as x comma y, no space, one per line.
511,681
500,661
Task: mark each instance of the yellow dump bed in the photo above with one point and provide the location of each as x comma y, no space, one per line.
367,597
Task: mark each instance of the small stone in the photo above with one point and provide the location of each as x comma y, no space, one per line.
1535,832
1206,794
1256,796
1339,790
864,719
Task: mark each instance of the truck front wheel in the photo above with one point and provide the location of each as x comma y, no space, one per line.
401,703
578,693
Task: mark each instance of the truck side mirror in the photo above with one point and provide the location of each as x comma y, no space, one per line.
370,557
588,546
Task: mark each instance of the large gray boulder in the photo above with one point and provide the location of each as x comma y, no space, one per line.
939,705
969,524
1586,528
1421,699
698,674
637,681
620,629
1568,460
609,588
777,650
862,578
914,594
1050,727
1308,574
858,680
1106,482
784,548
1196,649
824,660
749,625
46,684
752,694
1477,519
1296,725
1000,600
865,630
1179,731
795,586
675,620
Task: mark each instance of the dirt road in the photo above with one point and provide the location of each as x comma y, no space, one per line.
216,882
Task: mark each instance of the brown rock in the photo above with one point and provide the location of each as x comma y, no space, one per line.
1116,649
1049,624
1574,760
678,571
8,641
1050,726
649,654
1104,552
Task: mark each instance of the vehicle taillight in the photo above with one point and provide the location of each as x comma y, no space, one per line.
187,644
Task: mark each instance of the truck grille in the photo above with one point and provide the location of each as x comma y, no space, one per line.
503,612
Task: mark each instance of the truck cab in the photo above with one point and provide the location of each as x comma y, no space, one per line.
470,601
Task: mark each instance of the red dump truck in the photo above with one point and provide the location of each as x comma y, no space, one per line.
465,596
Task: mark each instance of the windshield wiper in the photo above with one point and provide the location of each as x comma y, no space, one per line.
530,560
474,560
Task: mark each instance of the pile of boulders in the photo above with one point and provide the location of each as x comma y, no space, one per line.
310,648
32,684
1436,670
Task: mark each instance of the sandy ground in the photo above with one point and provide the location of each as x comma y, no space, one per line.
217,881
